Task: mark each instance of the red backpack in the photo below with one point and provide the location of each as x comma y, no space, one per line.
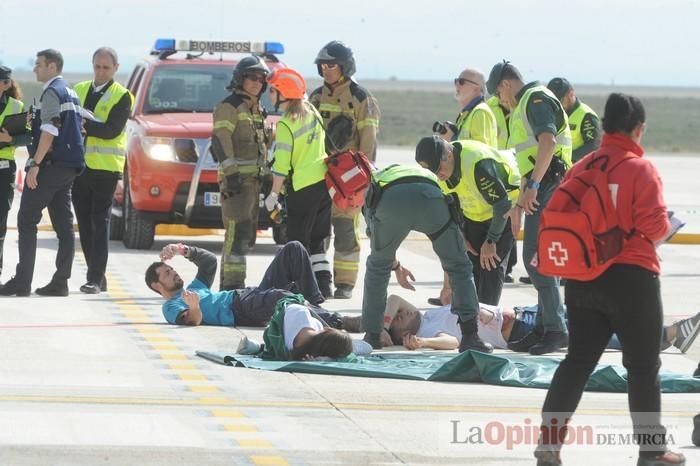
579,235
348,176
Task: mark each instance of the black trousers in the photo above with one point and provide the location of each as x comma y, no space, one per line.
309,216
7,195
92,196
625,300
489,283
288,273
53,192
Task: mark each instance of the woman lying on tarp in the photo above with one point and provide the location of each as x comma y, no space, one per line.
296,332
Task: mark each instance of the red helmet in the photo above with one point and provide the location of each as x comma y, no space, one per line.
287,82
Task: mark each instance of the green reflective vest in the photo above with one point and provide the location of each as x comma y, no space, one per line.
501,121
13,107
524,141
487,127
300,148
394,172
473,204
575,121
105,154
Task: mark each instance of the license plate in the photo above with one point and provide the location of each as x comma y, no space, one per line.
212,199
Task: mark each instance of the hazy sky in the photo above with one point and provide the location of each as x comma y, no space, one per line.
645,42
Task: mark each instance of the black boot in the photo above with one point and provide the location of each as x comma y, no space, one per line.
53,288
323,278
528,341
471,340
373,339
550,342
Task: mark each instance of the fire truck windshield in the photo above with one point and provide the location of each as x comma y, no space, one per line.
190,89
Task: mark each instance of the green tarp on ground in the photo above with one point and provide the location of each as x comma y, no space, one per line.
496,369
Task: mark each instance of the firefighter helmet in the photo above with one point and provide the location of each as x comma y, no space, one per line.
288,82
248,65
336,52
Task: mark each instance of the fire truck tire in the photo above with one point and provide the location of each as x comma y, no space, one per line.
138,232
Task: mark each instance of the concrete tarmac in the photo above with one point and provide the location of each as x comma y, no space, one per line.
101,379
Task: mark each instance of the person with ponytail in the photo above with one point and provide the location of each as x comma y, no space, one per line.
300,160
625,299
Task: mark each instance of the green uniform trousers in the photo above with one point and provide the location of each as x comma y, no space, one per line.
414,207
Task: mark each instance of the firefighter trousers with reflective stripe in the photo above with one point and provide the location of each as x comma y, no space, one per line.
346,242
551,317
239,212
414,207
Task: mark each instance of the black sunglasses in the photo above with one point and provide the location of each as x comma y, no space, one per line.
463,81
255,77
6,81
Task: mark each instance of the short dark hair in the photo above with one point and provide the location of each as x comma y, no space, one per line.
396,333
623,113
152,275
330,342
107,51
52,56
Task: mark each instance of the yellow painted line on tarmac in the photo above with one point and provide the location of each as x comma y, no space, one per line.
173,356
221,401
269,460
203,389
157,339
148,330
163,347
193,377
254,443
182,366
239,428
227,413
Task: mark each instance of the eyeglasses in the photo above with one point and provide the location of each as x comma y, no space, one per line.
6,81
255,77
330,66
463,81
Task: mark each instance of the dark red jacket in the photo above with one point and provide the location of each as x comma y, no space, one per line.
637,191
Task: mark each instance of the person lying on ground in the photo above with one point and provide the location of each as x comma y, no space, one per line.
438,328
297,332
288,273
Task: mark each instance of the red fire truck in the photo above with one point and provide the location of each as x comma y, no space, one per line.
170,175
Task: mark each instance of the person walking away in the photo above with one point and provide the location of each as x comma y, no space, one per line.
625,299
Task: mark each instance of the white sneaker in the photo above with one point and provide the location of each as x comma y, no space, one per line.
248,347
361,347
687,333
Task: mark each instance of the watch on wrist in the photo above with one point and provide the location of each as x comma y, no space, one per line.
532,184
396,267
489,241
32,163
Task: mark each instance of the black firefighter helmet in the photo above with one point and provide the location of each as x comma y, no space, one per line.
336,52
248,65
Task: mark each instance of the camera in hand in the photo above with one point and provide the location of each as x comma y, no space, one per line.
441,128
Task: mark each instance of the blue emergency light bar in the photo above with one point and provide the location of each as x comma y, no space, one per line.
259,48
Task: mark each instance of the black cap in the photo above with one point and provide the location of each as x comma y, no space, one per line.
559,86
429,152
500,71
5,72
